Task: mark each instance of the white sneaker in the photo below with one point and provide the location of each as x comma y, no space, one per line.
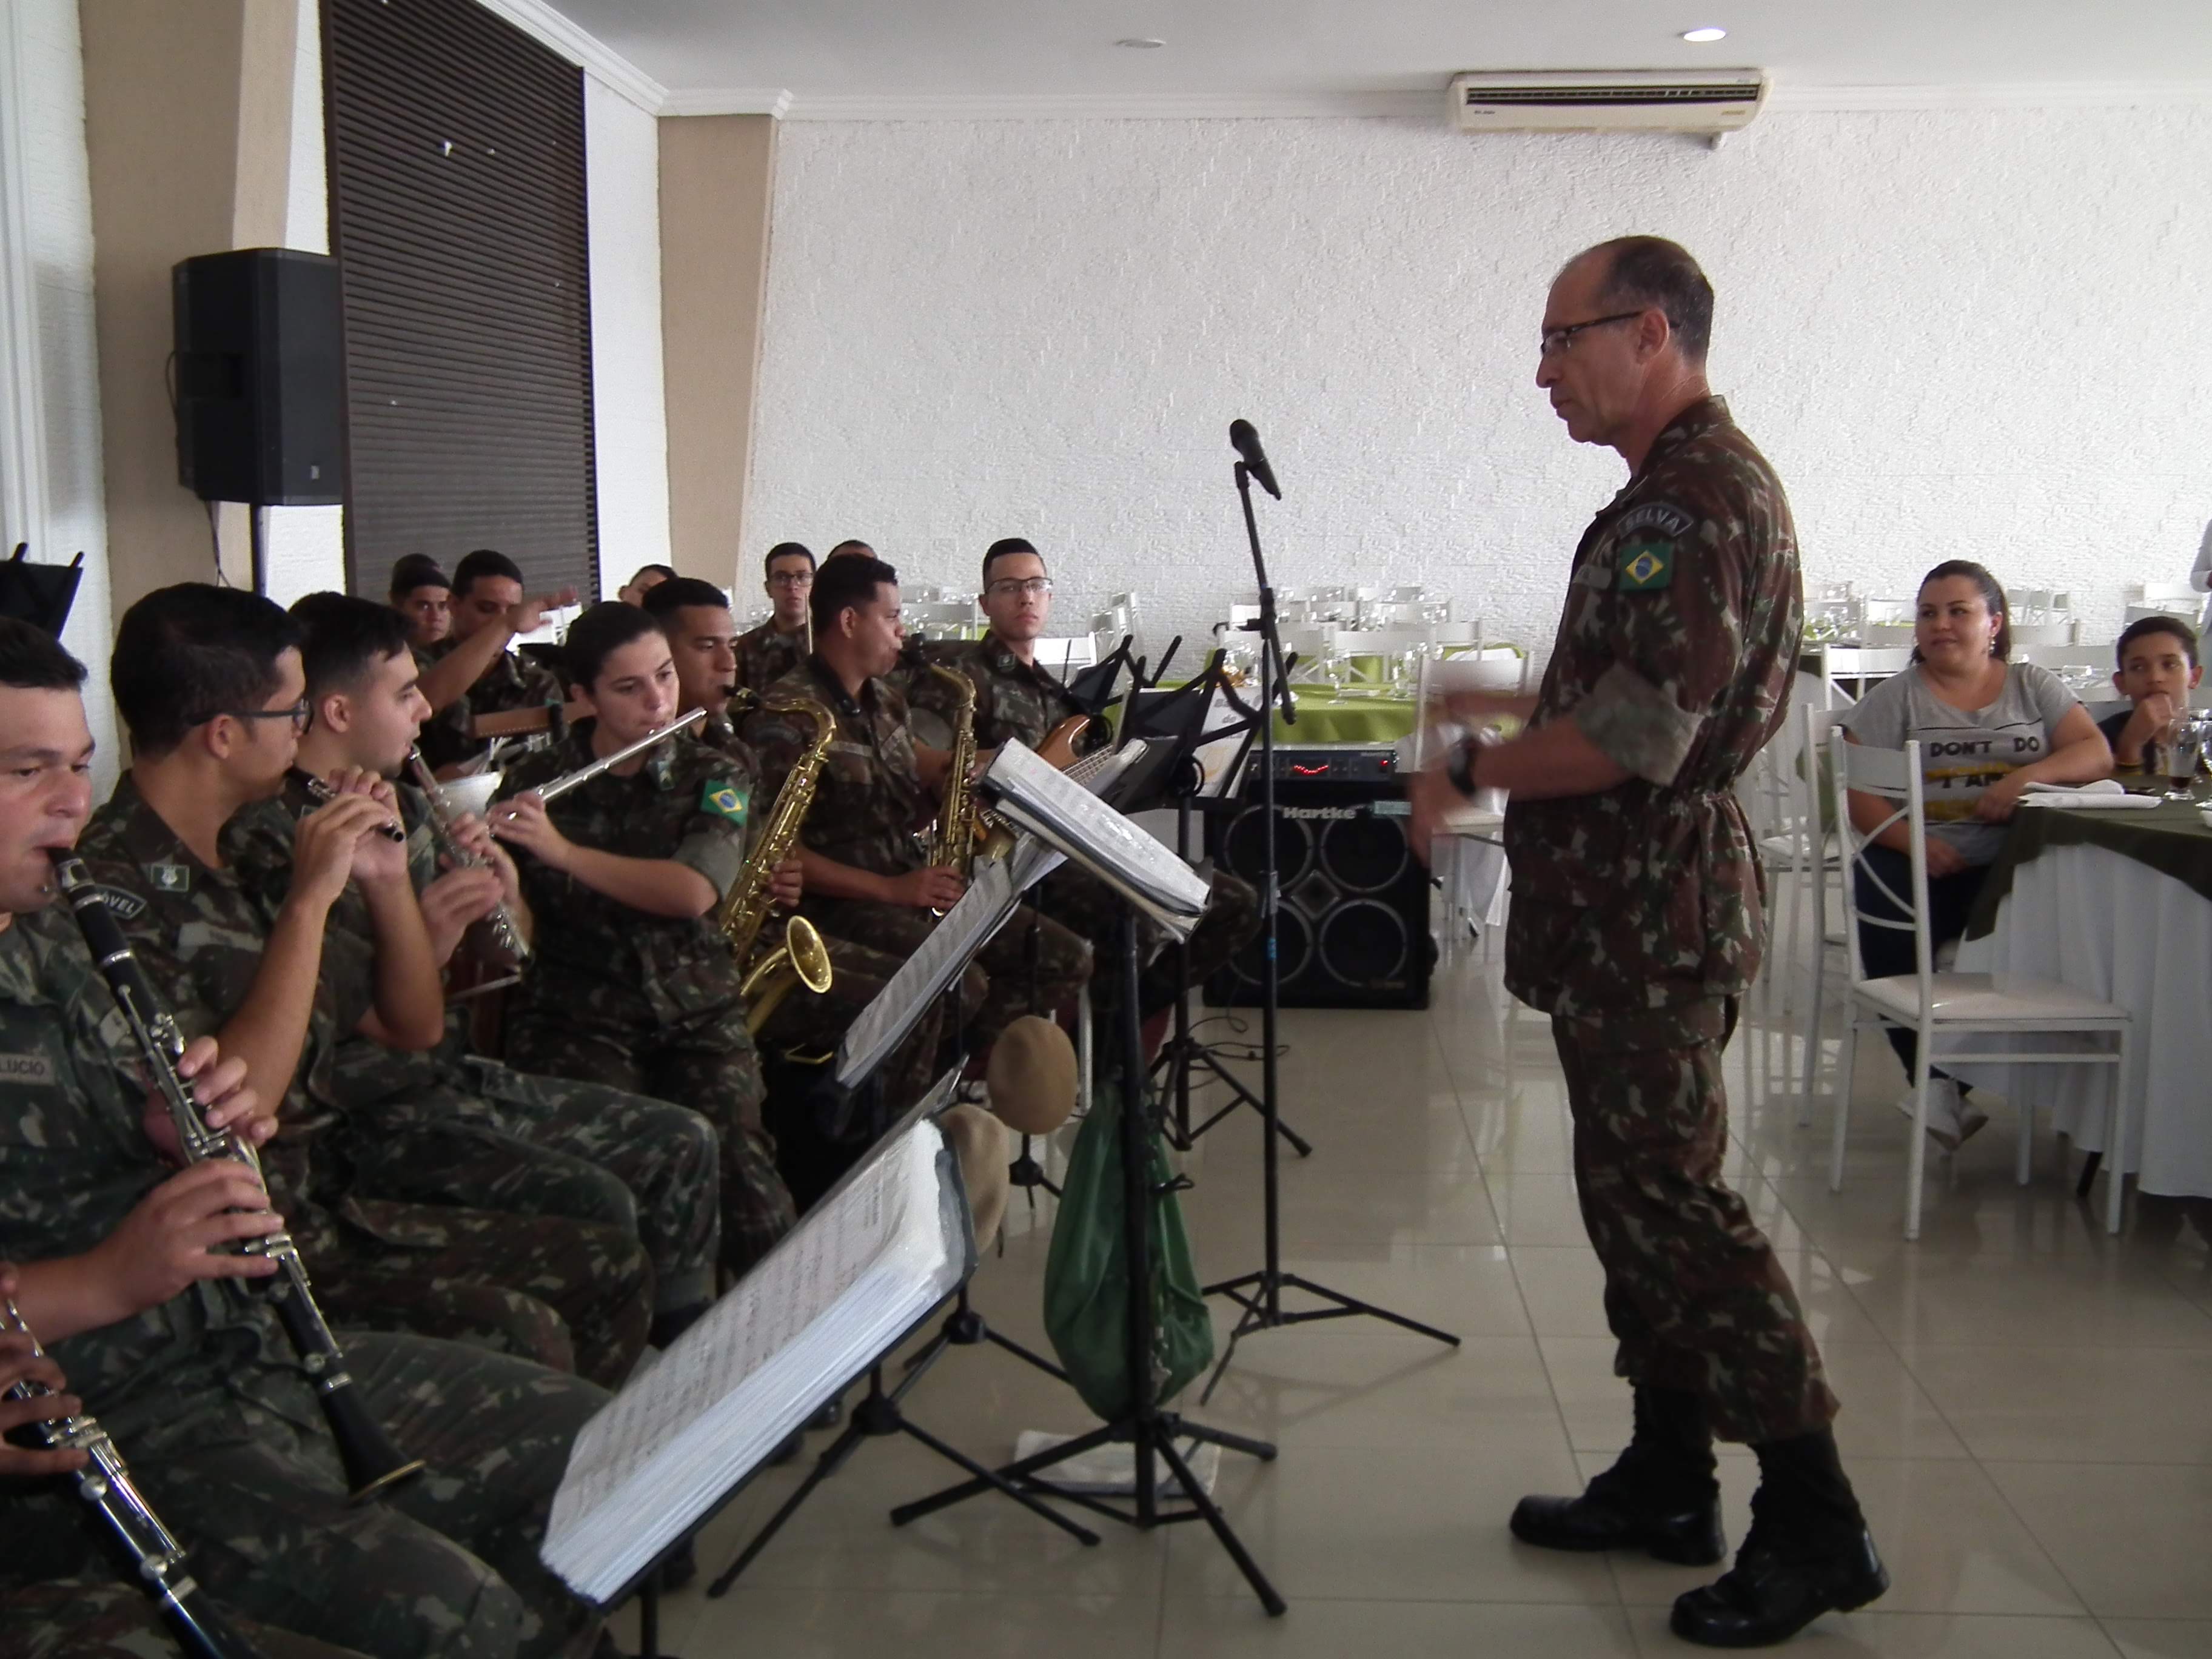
1947,1114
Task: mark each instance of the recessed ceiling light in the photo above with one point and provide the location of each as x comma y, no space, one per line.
1704,36
1140,43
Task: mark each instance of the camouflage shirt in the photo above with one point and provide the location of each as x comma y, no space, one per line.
74,1162
1673,657
1014,700
870,799
514,681
689,803
765,656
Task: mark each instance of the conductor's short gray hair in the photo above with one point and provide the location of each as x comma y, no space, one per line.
1650,270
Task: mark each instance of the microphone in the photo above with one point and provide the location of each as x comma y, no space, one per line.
1246,442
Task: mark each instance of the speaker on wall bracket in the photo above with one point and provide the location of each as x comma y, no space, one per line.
1352,929
260,379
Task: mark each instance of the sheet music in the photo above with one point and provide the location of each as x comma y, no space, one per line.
922,977
864,1266
1029,792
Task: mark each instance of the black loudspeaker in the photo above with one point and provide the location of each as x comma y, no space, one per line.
260,378
1353,931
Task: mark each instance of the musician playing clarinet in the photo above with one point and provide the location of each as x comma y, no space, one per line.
121,1274
631,985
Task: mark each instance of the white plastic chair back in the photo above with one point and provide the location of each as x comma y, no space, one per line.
1893,775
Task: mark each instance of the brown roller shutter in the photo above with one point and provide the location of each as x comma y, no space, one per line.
456,162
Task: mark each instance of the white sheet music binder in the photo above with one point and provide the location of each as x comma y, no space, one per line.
1030,795
867,1264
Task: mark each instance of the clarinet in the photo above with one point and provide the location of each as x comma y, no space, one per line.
373,1463
105,1483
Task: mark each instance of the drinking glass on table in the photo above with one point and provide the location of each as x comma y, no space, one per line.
2185,752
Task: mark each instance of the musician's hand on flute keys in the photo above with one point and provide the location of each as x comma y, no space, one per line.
19,1364
523,821
472,835
332,841
787,884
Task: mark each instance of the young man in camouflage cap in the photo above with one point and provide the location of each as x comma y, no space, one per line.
1635,926
632,985
772,650
208,680
471,672
645,1168
1016,701
866,874
148,1322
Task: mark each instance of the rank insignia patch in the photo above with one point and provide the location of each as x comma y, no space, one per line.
723,801
170,878
1646,566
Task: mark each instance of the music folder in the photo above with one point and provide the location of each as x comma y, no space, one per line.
863,1268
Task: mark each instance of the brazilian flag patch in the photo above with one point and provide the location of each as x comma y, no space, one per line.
723,802
1646,566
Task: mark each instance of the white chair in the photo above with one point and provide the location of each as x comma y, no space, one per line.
2042,634
1931,1003
1065,655
1814,763
1862,669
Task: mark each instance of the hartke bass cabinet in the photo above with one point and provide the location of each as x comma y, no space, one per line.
1353,928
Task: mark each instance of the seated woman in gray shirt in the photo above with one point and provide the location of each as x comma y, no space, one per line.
1987,728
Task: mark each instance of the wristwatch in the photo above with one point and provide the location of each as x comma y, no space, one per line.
1459,771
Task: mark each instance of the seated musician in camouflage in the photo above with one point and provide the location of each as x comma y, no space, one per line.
208,682
423,593
470,672
772,650
866,874
120,1274
631,985
644,1167
696,618
1017,700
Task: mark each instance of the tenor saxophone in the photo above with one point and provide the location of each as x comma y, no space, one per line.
799,957
951,842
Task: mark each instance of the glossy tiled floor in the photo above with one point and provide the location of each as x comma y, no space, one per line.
2027,1413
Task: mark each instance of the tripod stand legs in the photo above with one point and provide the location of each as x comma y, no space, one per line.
1179,1059
1259,1294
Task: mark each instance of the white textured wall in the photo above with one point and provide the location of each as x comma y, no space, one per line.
622,163
1975,333
52,270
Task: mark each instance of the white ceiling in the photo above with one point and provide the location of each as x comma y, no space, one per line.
844,57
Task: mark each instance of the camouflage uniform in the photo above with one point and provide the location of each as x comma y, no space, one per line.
645,1168
765,656
1019,701
514,681
869,802
647,1003
1636,913
101,1619
564,1291
207,1402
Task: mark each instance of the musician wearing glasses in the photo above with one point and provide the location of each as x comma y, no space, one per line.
210,683
122,1273
471,672
643,1169
779,645
867,875
1636,927
631,985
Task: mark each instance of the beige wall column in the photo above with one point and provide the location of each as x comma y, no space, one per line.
188,128
717,176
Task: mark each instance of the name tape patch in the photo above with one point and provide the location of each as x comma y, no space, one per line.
25,1068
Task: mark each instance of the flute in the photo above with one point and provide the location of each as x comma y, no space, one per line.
583,775
324,794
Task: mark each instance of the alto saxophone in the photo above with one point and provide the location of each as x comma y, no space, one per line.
952,842
799,957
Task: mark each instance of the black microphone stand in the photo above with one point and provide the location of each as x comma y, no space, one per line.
1260,1293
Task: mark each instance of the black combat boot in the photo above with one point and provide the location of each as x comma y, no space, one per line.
1808,1553
1659,1495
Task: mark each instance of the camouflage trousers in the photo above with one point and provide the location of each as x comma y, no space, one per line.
103,1619
703,1060
1693,1292
1031,965
810,1023
1077,900
444,1567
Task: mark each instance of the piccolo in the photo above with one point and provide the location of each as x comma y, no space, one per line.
324,793
372,1463
584,775
105,1483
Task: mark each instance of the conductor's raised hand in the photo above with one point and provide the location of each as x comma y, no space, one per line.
19,1364
527,614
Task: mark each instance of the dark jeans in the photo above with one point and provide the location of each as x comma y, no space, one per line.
1888,950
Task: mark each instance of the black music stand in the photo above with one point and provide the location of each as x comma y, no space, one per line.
1259,1292
1151,1431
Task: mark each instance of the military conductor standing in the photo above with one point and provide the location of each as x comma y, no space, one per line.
1636,925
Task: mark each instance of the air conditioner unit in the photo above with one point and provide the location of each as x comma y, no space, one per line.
1608,100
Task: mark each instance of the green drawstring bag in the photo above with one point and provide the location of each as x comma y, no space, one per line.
1086,1276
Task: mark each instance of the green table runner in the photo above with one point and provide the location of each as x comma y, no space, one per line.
2170,838
1346,720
